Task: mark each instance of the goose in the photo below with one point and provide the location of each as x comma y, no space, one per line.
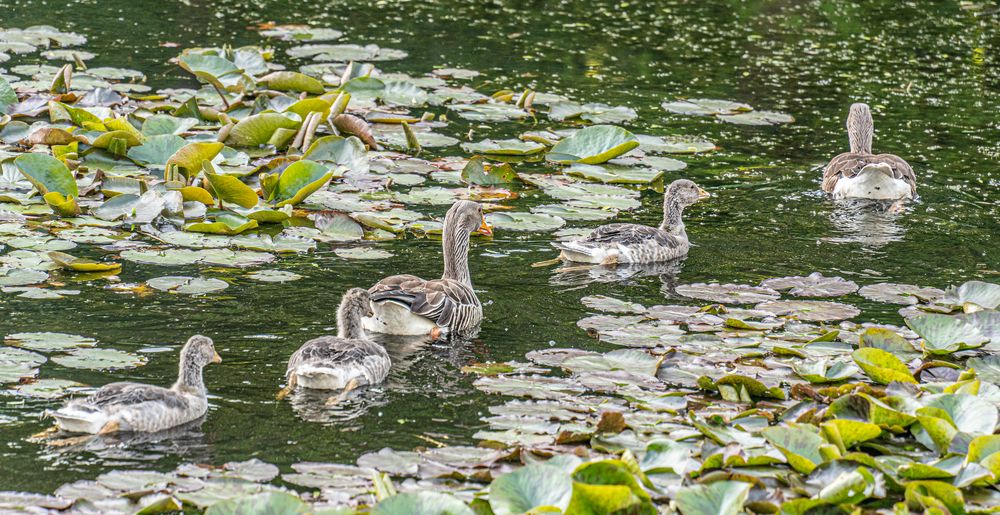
409,305
861,174
633,243
126,406
341,362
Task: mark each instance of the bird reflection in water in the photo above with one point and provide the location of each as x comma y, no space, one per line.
579,274
419,364
872,223
186,441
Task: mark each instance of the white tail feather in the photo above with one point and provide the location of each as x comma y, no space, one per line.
80,419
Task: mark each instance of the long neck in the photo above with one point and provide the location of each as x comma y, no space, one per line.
349,324
455,244
672,211
190,379
859,132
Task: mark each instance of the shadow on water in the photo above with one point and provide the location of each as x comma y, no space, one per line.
873,224
127,449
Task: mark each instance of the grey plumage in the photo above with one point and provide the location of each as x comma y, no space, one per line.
127,406
334,362
860,130
633,243
407,304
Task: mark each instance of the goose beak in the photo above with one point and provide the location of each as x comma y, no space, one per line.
702,194
485,229
216,358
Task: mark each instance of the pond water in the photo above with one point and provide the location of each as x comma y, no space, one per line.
928,70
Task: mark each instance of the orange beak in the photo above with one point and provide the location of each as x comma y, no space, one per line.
216,358
485,229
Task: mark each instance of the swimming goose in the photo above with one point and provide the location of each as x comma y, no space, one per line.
861,174
632,243
340,362
409,305
141,407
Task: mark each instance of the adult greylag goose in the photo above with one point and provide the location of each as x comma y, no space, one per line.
341,362
409,305
633,243
861,174
126,406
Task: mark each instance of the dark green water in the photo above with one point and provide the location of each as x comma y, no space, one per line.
929,70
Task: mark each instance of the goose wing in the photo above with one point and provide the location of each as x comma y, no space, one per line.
333,350
629,235
849,164
129,394
446,302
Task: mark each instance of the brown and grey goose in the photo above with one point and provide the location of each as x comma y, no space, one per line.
861,174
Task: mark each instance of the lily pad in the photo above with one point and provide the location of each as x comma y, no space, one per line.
726,293
47,174
705,107
49,342
187,285
99,359
813,285
943,334
530,488
593,145
717,498
504,147
882,366
906,294
421,503
810,310
530,222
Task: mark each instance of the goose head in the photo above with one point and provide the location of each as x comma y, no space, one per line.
199,351
684,192
466,217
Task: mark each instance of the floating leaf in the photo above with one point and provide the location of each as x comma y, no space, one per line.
292,81
47,174
799,445
821,371
99,359
943,334
224,223
528,488
593,145
257,129
49,342
881,366
230,188
421,503
301,179
974,293
717,498
524,221
899,293
191,156
82,264
513,147
705,107
810,310
726,293
187,285
274,276
813,285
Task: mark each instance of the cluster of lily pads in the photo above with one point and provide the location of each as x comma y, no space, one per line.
785,407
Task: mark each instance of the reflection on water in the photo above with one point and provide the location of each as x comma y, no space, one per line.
186,441
871,223
578,274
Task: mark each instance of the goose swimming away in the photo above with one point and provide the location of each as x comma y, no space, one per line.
633,243
861,174
141,407
341,362
408,305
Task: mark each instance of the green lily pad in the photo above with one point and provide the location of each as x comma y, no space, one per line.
513,147
190,157
726,293
47,174
674,144
593,113
257,129
187,285
943,334
362,253
292,81
615,174
47,388
882,366
156,150
906,294
224,223
21,277
813,285
529,488
810,310
513,221
230,188
274,276
301,179
49,342
99,359
270,503
975,293
421,503
489,112
757,118
593,145
822,371
705,107
717,498
608,486
799,445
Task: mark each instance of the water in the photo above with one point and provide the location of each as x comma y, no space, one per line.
928,70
